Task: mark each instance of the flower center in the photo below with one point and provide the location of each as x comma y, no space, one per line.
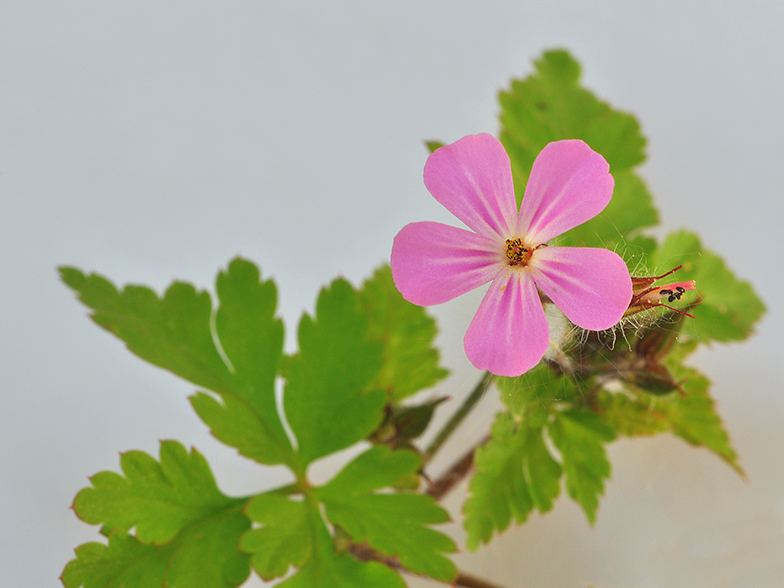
517,253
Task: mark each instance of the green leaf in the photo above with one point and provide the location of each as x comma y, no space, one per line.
514,473
175,333
411,362
252,339
202,556
550,105
580,437
693,417
529,397
284,540
172,332
159,499
394,524
329,400
123,562
326,568
631,415
630,210
729,308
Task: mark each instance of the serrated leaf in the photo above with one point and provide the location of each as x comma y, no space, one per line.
729,308
631,415
159,499
172,332
693,417
550,105
328,568
630,210
203,556
529,396
411,362
515,473
580,437
329,400
397,524
123,562
175,333
284,540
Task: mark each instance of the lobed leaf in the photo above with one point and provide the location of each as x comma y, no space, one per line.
394,524
160,499
327,567
692,415
175,332
580,436
284,540
550,105
515,473
406,331
204,556
329,400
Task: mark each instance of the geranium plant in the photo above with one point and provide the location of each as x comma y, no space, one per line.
578,330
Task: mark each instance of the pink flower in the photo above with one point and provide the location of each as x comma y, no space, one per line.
433,263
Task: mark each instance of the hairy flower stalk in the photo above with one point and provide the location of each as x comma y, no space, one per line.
433,263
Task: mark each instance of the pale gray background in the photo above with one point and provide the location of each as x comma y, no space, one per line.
150,140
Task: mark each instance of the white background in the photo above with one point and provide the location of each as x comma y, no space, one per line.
156,140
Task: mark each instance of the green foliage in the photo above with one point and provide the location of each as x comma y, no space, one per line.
175,333
411,363
187,531
394,524
550,106
729,308
580,436
515,473
284,539
160,499
328,399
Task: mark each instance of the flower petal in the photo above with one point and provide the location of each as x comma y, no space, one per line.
509,334
433,263
569,184
472,178
591,286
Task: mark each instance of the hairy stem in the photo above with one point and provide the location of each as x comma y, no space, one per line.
469,581
457,418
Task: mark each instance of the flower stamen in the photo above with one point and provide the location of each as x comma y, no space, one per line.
516,252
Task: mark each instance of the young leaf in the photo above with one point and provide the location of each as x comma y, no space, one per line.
729,308
411,363
394,524
159,499
514,473
529,396
550,105
328,399
284,540
580,436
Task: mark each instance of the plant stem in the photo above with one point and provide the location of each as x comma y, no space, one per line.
469,581
364,552
457,418
459,469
